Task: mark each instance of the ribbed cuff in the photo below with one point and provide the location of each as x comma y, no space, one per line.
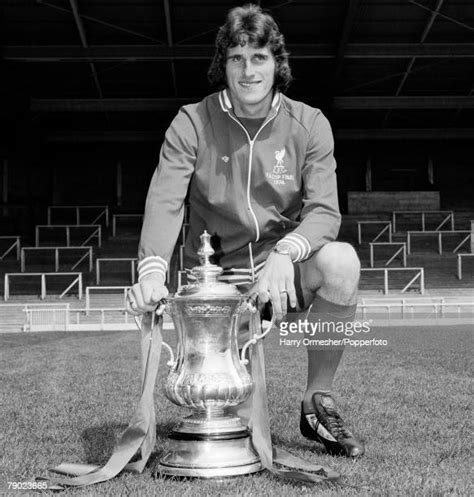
152,264
300,244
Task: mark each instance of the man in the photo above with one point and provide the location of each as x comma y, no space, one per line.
260,174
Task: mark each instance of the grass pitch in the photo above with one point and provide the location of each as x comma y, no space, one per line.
66,397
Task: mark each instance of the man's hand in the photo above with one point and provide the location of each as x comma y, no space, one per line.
145,295
276,283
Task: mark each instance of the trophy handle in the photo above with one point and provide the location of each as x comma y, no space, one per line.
251,303
159,312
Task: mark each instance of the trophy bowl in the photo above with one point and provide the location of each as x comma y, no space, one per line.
208,377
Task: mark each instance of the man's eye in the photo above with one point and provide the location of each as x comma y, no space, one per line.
235,58
260,57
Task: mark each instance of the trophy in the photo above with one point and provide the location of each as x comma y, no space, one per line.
208,377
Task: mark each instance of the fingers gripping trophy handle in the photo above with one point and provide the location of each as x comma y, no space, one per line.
159,311
252,306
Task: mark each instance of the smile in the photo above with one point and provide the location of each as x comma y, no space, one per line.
248,84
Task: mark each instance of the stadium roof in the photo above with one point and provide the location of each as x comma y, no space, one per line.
118,70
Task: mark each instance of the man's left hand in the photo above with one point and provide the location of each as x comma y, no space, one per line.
276,283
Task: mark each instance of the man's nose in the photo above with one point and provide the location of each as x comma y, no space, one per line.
248,69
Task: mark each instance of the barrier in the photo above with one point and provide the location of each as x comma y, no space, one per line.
181,257
89,289
449,217
132,260
420,274
402,250
439,308
77,280
61,319
387,226
116,217
460,256
183,233
96,233
439,235
47,319
88,254
103,212
15,244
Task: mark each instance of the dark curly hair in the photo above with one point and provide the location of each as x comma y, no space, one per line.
250,23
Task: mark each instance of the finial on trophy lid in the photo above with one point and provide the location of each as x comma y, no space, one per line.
206,272
205,250
207,284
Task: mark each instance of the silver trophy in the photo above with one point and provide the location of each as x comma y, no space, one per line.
208,377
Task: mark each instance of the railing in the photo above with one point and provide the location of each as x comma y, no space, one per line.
132,260
102,289
103,212
448,218
88,254
15,244
439,308
439,235
460,256
184,231
387,227
42,276
181,258
48,319
116,217
402,250
402,300
402,303
96,233
66,319
420,275
60,319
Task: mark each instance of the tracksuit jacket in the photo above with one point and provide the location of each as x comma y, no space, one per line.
247,193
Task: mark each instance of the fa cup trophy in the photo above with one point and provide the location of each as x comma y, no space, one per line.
208,377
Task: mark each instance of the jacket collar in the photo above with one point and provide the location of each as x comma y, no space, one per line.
226,104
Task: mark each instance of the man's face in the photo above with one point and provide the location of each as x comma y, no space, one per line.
250,73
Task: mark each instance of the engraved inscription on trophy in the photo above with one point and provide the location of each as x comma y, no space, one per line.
207,310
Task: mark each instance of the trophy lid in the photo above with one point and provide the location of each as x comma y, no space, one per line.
207,284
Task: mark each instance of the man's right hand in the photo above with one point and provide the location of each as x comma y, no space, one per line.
145,295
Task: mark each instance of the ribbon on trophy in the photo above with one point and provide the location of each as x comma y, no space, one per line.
299,469
139,437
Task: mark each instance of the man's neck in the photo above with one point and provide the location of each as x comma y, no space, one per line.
253,111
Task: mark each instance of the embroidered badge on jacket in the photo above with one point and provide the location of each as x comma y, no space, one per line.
278,175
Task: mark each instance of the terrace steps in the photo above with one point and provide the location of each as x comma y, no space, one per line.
440,270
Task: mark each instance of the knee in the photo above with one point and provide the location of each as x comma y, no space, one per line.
339,264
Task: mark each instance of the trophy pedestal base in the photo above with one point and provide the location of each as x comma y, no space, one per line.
210,458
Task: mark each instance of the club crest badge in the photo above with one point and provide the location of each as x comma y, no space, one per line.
279,175
279,168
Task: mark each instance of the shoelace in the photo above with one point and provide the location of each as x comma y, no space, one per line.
335,424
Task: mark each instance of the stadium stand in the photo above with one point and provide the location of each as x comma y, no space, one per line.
428,281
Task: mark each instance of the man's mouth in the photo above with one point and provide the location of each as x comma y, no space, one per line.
248,84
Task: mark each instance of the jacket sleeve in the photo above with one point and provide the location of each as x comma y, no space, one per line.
320,217
164,207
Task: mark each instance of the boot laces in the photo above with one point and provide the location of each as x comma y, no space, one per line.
335,424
